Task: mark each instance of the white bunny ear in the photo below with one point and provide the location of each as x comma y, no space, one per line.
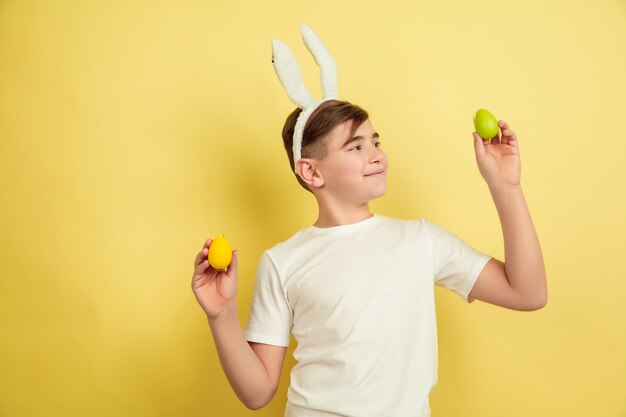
290,77
289,74
323,58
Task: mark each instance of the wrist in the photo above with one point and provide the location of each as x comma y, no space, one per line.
498,187
229,312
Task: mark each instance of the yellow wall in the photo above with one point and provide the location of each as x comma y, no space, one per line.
131,131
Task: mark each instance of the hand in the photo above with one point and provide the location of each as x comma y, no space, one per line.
498,159
215,290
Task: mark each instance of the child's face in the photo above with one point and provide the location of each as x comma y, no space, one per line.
355,168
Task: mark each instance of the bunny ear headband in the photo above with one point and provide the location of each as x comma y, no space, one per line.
290,77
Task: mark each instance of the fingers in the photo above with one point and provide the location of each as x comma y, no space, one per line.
200,269
201,263
508,136
234,263
505,136
479,146
486,141
495,140
204,252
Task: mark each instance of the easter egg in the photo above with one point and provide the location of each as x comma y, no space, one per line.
486,124
220,253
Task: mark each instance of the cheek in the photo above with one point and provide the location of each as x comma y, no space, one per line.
348,168
354,167
348,165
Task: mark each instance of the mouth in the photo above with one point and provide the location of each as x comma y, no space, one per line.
376,174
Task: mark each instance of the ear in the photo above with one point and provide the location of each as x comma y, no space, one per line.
309,173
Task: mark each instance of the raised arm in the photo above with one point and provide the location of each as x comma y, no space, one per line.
518,283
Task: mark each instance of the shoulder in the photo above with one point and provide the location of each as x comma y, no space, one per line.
293,240
288,247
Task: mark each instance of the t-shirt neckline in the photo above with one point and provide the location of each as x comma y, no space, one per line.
346,227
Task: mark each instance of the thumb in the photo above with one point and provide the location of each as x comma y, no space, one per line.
234,264
479,147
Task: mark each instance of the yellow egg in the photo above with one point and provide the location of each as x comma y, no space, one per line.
220,253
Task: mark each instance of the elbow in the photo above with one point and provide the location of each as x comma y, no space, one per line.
537,299
536,306
537,302
254,406
258,401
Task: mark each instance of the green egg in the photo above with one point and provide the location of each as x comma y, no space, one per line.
486,124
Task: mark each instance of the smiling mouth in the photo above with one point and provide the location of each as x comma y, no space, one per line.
376,173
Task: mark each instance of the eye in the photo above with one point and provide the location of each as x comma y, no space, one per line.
358,148
377,144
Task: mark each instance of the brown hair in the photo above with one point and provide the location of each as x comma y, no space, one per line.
325,118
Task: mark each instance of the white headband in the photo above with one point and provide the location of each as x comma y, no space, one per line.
290,77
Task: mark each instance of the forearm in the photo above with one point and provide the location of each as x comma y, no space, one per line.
523,259
243,368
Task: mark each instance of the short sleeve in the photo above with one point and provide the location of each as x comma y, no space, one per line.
456,265
270,317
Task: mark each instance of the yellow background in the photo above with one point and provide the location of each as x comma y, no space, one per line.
131,131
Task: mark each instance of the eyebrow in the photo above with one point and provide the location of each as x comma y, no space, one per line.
375,135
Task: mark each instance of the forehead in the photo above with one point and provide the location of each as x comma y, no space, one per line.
340,133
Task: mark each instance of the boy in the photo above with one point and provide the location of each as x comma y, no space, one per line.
356,289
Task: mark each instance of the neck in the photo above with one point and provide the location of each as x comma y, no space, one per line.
339,215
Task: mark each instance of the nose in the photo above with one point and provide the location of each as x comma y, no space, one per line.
377,156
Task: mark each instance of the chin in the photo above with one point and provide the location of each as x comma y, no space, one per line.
379,193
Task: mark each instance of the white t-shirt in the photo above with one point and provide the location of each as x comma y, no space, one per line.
359,300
